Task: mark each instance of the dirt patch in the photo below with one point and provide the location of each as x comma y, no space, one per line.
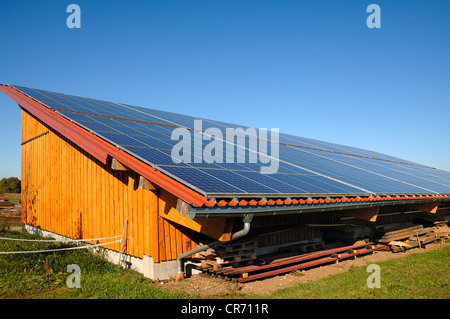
39,292
202,285
206,286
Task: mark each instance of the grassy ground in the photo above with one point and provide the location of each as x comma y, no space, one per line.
425,275
44,275
7,223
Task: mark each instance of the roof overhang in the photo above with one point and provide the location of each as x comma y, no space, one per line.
241,211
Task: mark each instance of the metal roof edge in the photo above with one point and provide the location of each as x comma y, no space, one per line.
240,211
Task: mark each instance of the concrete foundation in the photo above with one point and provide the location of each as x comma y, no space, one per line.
159,271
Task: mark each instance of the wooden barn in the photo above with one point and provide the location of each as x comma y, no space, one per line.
97,169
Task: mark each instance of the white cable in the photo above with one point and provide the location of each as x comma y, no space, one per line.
60,241
57,249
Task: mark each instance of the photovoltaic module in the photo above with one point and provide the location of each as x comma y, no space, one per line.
305,166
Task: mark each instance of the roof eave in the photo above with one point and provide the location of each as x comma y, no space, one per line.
240,211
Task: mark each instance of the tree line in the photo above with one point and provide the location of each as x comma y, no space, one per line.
10,185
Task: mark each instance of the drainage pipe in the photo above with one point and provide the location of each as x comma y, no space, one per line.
180,264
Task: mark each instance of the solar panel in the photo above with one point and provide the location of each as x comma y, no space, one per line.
306,166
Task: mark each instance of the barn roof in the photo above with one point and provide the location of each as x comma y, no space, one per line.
310,174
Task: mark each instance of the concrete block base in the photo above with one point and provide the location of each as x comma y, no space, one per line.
159,271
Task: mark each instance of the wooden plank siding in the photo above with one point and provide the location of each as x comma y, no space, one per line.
69,192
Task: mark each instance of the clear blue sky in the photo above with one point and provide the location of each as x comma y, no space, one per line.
310,68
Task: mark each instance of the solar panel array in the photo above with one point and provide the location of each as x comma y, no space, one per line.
306,166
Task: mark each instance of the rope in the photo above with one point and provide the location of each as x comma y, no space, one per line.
57,249
65,241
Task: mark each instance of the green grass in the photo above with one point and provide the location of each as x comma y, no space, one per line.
416,276
44,275
7,223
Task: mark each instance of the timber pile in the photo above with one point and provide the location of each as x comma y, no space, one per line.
5,203
429,220
271,265
230,254
7,208
400,238
239,261
237,253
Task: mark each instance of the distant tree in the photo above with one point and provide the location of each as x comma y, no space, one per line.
10,185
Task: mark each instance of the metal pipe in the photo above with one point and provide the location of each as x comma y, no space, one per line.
242,232
180,265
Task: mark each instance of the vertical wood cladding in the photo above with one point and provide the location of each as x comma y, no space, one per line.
68,192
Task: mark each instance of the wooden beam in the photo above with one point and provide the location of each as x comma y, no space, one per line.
427,207
227,230
368,213
218,228
146,184
116,165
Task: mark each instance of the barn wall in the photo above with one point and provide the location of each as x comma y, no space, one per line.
70,193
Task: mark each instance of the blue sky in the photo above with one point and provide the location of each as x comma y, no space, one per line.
310,68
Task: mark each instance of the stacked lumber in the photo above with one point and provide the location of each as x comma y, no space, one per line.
229,254
8,209
238,261
403,237
5,203
401,232
236,253
431,220
271,265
